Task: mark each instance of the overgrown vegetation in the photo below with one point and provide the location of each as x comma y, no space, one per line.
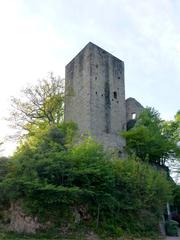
52,236
75,184
152,139
54,182
39,104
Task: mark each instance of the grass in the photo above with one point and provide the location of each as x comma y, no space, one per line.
42,236
76,234
12,236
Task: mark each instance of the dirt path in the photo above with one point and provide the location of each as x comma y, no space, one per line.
172,238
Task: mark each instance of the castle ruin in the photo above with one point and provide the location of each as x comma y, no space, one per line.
95,96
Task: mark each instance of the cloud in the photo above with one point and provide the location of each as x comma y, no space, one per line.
44,35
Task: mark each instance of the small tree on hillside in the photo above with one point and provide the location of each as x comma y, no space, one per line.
41,104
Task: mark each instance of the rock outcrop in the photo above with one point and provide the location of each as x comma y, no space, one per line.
20,222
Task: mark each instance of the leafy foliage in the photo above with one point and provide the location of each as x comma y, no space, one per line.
152,139
177,197
53,179
41,104
3,167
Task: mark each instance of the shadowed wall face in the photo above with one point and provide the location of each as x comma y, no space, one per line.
95,95
133,110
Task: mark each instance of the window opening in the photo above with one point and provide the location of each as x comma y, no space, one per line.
115,95
133,115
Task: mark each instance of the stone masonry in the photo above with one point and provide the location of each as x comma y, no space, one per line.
95,96
133,109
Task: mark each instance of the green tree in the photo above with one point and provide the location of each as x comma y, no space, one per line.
3,167
40,104
152,139
177,197
52,180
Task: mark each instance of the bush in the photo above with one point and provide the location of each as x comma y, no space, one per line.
176,193
4,166
54,180
171,227
141,193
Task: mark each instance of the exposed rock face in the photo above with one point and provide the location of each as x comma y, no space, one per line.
81,213
20,222
92,236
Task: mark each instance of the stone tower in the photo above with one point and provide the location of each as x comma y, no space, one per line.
95,95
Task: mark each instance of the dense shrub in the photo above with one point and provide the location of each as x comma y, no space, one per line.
177,197
53,180
152,139
5,167
141,193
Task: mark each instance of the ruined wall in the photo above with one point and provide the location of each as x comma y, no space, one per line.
133,107
95,95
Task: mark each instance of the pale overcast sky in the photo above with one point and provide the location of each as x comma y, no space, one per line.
38,36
